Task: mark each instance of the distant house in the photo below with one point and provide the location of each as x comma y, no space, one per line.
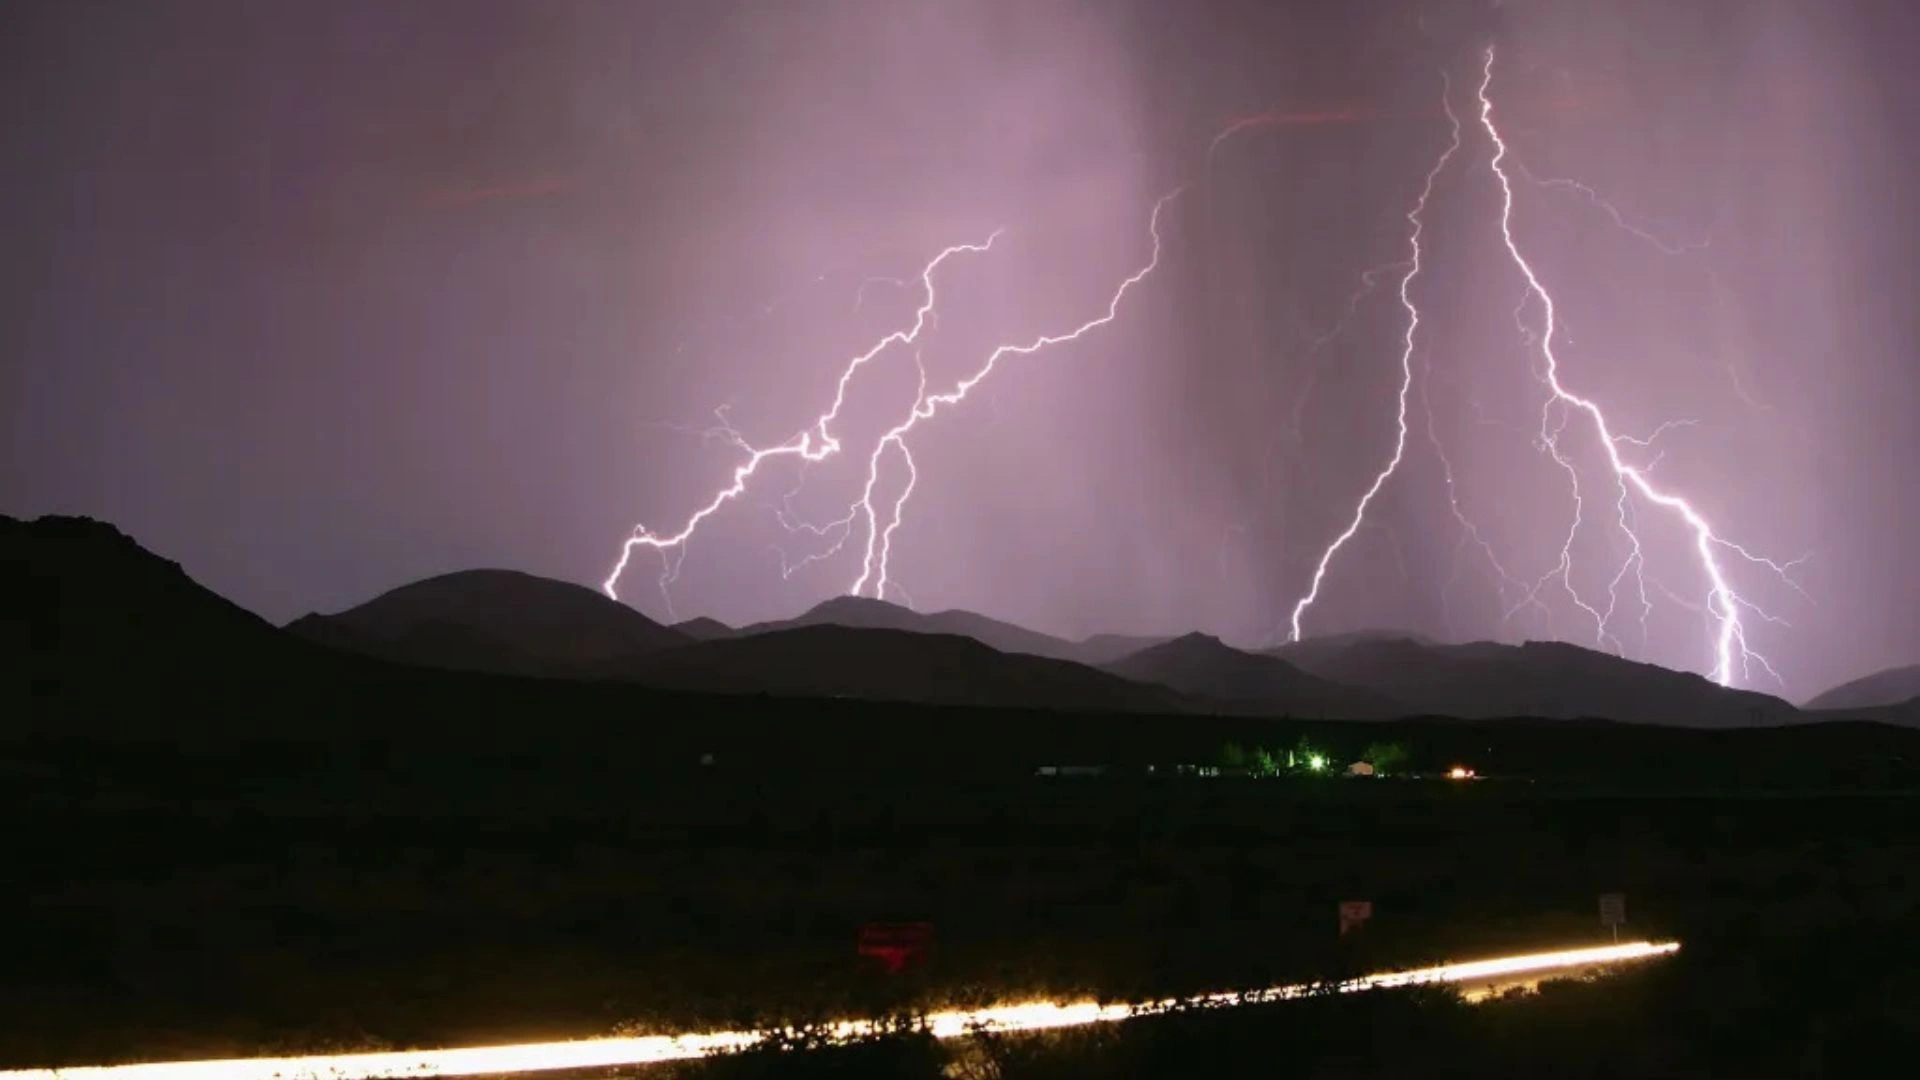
1360,768
1071,770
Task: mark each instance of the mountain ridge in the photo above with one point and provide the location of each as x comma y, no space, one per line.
867,613
1549,679
502,621
81,592
1206,668
884,664
83,598
1889,686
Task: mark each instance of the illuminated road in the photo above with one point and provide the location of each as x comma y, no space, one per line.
1477,978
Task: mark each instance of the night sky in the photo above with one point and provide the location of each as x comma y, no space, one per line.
321,298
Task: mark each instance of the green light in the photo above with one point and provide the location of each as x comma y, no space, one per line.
1316,762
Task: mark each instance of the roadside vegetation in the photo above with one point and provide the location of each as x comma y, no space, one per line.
1844,1006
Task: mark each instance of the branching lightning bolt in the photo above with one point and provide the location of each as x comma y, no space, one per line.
817,442
880,538
839,529
1414,218
1630,458
1469,532
1602,204
812,444
1369,281
1724,605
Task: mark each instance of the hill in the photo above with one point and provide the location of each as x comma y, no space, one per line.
1307,653
859,612
82,599
703,629
1552,680
1894,686
499,621
83,603
893,665
1900,714
1205,667
1103,649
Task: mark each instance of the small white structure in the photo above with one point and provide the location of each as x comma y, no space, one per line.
1360,768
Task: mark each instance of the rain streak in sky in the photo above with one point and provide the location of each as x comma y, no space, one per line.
341,295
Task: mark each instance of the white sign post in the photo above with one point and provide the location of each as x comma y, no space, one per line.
1613,912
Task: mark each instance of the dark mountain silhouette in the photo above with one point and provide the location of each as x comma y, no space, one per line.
1315,650
499,621
85,605
1552,680
82,599
1900,713
1103,649
893,665
1894,686
703,629
856,611
1205,667
862,613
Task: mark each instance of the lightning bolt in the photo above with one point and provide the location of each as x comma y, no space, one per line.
860,293
1630,458
1369,281
817,442
1553,424
1724,606
839,529
1416,221
814,443
1469,531
1634,562
1278,119
880,538
1606,206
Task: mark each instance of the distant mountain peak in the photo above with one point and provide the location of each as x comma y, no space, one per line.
848,604
1378,636
867,613
1198,643
1546,679
1205,667
504,621
78,592
1892,686
829,660
703,628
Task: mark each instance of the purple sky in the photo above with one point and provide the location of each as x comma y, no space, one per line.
319,298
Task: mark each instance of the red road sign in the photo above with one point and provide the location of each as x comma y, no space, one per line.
896,945
1353,914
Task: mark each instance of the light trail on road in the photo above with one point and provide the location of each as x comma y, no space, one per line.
945,1024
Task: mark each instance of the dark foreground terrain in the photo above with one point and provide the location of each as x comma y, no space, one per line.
399,859
221,838
1801,1007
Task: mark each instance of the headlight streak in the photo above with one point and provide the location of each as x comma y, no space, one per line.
946,1024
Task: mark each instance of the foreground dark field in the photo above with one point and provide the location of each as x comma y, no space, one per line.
1843,1005
313,876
